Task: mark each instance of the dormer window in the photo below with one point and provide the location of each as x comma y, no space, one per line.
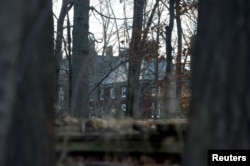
123,91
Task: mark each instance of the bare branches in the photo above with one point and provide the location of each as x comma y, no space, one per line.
145,33
93,9
107,75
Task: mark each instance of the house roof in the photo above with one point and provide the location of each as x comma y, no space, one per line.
111,70
148,71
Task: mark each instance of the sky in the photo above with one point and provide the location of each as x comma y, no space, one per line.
119,9
96,22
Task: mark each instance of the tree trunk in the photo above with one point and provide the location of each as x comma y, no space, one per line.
220,110
171,107
27,83
137,47
179,54
69,58
59,36
135,57
58,45
80,88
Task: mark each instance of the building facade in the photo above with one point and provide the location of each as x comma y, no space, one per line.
108,87
108,84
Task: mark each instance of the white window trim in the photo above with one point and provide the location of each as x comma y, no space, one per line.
123,107
153,90
123,92
158,110
112,93
153,106
160,91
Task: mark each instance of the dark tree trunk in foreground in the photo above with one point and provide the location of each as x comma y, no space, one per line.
135,58
27,86
220,110
79,85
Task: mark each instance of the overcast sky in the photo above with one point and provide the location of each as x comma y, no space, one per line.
114,9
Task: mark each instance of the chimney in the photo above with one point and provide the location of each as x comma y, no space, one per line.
123,52
109,50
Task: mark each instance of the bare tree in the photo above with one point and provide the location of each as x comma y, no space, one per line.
179,52
58,52
170,99
80,59
149,19
136,52
27,83
220,116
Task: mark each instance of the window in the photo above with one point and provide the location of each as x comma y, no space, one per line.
124,90
153,90
153,106
102,94
123,107
160,91
153,110
159,110
112,93
156,112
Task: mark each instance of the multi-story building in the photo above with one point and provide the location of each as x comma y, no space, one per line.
108,87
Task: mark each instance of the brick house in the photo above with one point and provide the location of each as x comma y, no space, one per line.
109,98
108,86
